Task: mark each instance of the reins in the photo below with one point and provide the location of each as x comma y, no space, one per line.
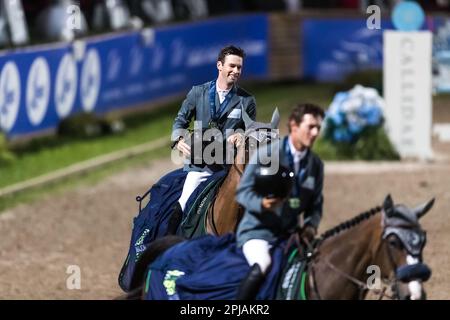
313,251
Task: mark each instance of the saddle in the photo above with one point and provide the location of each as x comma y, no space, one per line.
194,218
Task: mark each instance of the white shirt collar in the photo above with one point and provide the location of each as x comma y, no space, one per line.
297,155
222,93
221,90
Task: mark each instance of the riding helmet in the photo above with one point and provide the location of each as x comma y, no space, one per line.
273,185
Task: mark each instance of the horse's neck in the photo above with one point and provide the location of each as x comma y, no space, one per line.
226,213
226,210
352,252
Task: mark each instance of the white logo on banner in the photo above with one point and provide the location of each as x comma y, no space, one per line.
38,90
114,63
136,60
66,85
157,58
90,80
178,52
10,96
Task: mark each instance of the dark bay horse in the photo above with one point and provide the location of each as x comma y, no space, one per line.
387,239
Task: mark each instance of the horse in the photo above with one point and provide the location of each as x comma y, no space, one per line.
223,212
387,239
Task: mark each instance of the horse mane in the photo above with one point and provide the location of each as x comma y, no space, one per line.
350,223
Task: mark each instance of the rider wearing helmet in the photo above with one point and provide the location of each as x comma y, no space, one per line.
273,202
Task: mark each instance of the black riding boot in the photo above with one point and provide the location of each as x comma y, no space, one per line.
249,287
175,219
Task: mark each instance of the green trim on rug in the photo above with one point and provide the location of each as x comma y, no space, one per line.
303,287
147,281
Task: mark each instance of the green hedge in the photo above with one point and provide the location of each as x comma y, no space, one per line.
366,78
6,156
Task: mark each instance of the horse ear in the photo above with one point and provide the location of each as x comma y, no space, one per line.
275,119
388,205
423,208
247,120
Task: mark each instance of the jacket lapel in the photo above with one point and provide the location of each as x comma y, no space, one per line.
206,112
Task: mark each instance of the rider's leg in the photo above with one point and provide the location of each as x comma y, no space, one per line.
256,251
193,179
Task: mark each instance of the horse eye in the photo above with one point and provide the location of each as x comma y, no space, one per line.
395,243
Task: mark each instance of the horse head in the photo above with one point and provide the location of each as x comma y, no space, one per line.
390,244
403,241
258,133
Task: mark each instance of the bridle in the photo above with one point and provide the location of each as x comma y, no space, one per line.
413,239
261,135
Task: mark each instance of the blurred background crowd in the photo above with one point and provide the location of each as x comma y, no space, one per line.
37,21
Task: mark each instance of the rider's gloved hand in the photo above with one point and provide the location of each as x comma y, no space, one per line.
308,232
183,147
235,138
271,203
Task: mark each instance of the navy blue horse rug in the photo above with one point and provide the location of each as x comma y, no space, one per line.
208,267
152,221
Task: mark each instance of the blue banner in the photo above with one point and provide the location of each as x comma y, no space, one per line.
333,48
41,86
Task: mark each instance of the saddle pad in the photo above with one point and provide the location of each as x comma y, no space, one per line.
193,224
293,279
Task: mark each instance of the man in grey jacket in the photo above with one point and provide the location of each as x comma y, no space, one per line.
266,219
216,105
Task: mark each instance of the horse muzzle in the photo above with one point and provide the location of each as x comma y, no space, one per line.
410,279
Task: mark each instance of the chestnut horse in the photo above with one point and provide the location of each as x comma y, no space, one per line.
387,240
224,212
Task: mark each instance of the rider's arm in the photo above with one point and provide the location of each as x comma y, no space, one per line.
184,116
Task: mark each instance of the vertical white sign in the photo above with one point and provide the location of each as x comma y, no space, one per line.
407,91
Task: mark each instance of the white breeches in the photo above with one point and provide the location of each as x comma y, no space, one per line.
193,180
257,251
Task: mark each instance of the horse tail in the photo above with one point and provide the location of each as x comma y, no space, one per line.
156,248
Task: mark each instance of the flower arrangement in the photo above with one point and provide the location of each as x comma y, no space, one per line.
353,113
